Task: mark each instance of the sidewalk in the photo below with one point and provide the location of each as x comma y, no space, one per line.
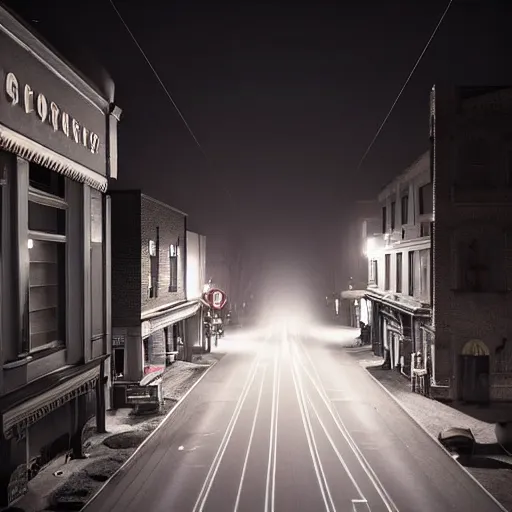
435,417
70,485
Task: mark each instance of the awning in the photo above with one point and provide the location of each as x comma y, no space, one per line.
353,294
409,307
26,406
168,317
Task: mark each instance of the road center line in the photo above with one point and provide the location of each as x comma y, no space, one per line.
365,465
251,436
210,477
310,436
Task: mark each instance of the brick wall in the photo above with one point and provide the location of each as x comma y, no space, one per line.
171,226
461,316
126,275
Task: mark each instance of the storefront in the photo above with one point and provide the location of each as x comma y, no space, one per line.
165,336
396,329
57,150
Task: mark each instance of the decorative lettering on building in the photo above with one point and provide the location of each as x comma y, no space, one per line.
48,112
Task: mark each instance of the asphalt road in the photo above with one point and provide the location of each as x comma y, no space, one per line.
290,423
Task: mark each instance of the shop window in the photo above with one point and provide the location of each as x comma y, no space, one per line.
45,180
47,257
97,291
399,272
173,268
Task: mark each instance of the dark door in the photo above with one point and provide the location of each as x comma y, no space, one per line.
474,379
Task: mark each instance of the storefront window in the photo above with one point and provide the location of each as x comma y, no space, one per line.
97,292
47,256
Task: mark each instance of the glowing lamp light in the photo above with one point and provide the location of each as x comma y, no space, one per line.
371,246
30,243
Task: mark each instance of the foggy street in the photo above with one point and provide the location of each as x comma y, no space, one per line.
290,422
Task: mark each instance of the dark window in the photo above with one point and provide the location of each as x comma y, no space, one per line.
411,273
393,215
387,271
384,220
47,293
153,265
426,199
173,268
399,272
46,218
405,209
47,257
45,180
118,363
509,168
424,256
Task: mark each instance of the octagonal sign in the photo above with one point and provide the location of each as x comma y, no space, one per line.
216,298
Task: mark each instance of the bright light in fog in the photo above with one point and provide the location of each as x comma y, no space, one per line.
371,246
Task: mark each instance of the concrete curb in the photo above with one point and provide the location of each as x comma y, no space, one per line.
131,458
431,437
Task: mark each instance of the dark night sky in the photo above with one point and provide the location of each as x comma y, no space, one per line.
284,99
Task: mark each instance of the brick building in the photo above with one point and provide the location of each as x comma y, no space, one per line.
153,321
57,151
459,222
471,133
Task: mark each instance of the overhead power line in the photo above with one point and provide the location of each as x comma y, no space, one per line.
166,90
368,149
156,75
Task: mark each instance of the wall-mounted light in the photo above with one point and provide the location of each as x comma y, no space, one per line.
172,251
152,248
30,243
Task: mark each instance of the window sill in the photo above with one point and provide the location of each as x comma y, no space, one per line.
45,351
23,360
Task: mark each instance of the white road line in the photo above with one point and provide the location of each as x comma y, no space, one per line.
335,449
210,477
274,468
270,482
313,449
251,436
318,385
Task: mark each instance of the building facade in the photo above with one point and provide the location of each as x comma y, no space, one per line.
399,263
471,134
57,151
359,227
150,310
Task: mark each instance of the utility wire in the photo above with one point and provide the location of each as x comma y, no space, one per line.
164,88
157,76
404,86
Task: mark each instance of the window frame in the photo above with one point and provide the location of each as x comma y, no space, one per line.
173,268
404,208
387,272
393,215
398,273
37,196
